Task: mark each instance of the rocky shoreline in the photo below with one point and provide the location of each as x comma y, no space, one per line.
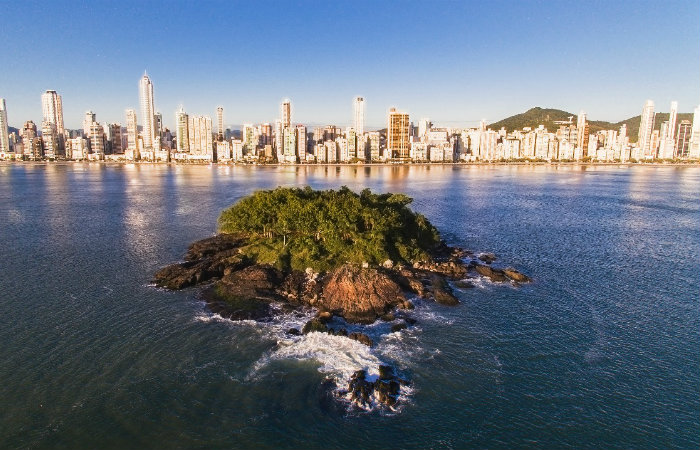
238,288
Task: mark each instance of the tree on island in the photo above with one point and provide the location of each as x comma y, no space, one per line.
296,228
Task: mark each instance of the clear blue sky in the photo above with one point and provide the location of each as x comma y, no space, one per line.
455,62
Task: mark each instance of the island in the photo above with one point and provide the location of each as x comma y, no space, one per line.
355,257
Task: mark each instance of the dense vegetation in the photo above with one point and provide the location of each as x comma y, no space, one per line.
535,117
299,228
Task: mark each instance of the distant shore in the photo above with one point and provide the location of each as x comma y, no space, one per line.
378,164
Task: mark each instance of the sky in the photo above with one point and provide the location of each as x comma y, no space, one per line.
456,62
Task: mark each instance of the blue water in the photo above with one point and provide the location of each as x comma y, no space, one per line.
601,351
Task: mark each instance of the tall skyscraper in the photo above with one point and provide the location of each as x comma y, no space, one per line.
286,113
4,134
200,133
52,108
132,132
90,117
359,115
147,111
694,147
683,138
672,119
423,127
582,132
397,134
182,131
646,127
220,123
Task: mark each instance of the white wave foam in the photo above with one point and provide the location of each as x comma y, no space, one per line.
338,356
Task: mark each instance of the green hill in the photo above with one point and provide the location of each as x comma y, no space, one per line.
535,117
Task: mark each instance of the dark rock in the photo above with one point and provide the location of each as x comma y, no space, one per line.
324,316
212,246
388,317
294,332
314,325
398,327
360,389
516,275
442,291
386,372
293,287
488,258
491,273
359,295
212,264
406,305
410,320
385,389
464,284
361,338
342,332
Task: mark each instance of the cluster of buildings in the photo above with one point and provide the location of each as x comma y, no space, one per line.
196,138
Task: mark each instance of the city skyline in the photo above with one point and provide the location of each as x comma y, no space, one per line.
460,63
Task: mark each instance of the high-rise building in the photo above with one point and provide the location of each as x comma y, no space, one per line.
351,137
672,118
4,132
359,115
90,117
423,127
132,133
200,133
158,121
683,138
301,142
182,131
97,140
286,113
397,134
113,138
52,109
290,145
33,148
147,111
220,123
646,127
582,135
49,138
694,147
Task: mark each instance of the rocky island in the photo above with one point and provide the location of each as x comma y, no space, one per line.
355,257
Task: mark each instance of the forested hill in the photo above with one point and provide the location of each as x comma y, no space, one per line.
535,117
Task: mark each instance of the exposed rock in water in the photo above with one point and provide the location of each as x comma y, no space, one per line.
398,327
360,295
384,390
293,332
464,284
361,338
516,275
491,273
488,258
213,246
314,325
442,291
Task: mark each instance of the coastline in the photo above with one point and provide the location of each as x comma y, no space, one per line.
379,164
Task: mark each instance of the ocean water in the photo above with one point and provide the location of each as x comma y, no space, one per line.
601,351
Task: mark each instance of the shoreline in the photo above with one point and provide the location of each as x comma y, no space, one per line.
362,165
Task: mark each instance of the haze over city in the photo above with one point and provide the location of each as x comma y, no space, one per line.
454,62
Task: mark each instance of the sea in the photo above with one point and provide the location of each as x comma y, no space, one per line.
600,351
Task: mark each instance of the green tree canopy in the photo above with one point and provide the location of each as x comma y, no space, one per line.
299,228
